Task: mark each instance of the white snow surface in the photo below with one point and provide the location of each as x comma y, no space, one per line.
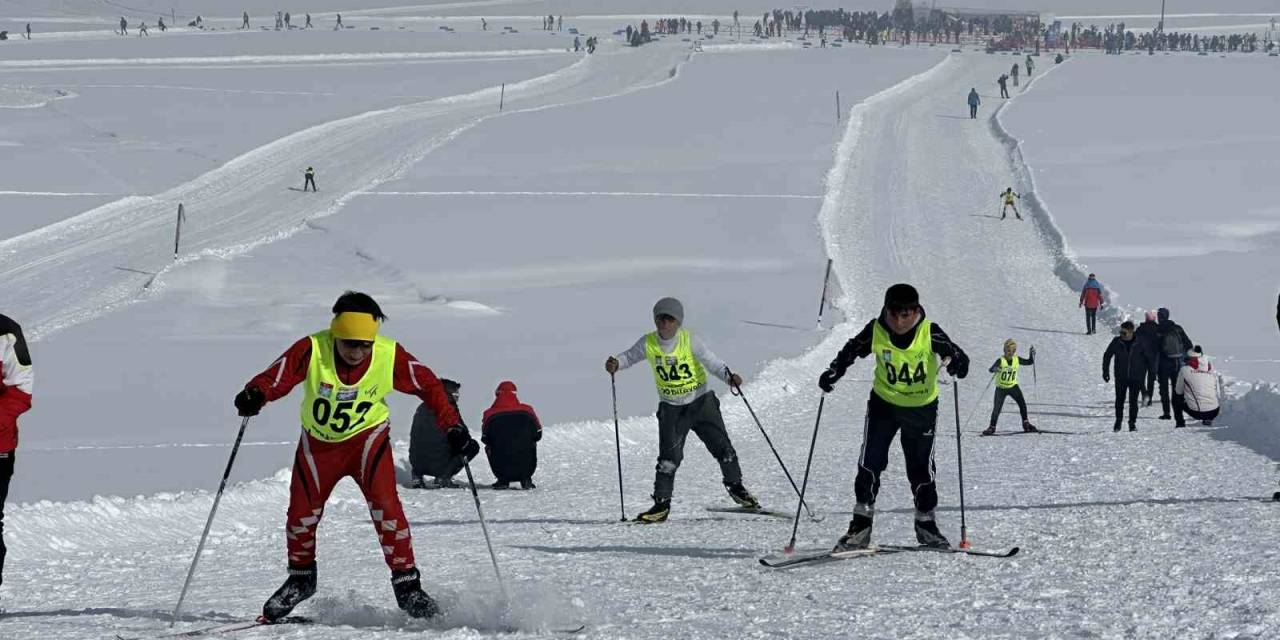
530,244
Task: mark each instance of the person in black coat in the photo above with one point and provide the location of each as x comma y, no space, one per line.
1173,343
1132,360
1147,334
429,449
510,433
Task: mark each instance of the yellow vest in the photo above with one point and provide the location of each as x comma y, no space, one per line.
333,411
1007,377
677,374
905,377
1008,197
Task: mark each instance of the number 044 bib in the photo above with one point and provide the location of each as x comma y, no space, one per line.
905,377
333,411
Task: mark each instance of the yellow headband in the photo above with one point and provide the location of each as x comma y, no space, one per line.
353,325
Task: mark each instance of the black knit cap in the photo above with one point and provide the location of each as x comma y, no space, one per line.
901,296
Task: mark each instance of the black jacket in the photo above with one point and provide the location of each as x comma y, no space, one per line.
860,345
1148,334
1132,360
1167,327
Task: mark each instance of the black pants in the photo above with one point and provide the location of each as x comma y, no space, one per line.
1130,388
973,111
917,426
1167,375
6,472
702,416
1004,92
310,181
1181,403
1014,392
1090,320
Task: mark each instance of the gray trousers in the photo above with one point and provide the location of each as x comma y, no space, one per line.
702,417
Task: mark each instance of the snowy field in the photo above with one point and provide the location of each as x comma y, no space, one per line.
530,243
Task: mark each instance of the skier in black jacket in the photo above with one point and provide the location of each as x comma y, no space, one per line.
1131,365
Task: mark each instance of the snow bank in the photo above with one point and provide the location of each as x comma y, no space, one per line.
1251,415
30,97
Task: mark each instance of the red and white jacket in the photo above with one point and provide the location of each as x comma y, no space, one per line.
15,390
410,376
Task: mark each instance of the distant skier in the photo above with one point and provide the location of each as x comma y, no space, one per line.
15,370
1174,344
906,347
429,453
1196,389
339,23
974,101
1014,71
510,432
308,24
142,29
244,24
346,373
1007,197
287,18
680,363
160,24
1003,81
577,44
29,30
1131,365
1090,300
124,26
309,178
1006,372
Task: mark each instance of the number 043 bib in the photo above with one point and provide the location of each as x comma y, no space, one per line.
905,377
678,374
333,411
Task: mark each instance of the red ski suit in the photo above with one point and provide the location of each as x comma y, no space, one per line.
365,457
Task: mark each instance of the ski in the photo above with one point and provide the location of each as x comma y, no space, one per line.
986,553
751,512
1018,433
820,557
222,628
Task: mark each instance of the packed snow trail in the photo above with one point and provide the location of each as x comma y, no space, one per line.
1149,534
75,269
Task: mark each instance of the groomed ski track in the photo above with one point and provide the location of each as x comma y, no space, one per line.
1149,534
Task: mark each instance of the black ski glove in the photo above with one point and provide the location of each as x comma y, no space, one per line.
959,365
827,381
461,443
250,401
1106,377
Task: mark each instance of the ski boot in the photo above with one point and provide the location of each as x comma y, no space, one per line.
927,533
657,513
500,485
300,585
419,482
1116,427
989,431
1133,426
858,536
741,496
410,596
1028,427
528,484
444,483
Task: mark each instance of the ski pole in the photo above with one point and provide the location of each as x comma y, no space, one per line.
617,444
826,279
804,485
1034,377
191,572
737,391
964,537
502,584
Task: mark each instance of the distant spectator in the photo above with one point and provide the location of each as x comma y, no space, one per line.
974,101
510,433
1147,336
429,455
1003,81
244,22
1091,299
1174,344
1196,389
1130,369
124,26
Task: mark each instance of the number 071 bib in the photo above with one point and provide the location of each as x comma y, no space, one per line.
333,411
677,374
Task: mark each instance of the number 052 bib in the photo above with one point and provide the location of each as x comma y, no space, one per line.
905,377
333,411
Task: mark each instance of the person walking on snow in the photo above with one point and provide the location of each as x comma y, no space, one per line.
309,178
1196,389
1091,299
906,347
1014,72
346,373
1131,366
244,20
680,362
1007,197
510,431
1174,343
1031,65
1003,81
124,26
308,24
15,400
974,101
1006,372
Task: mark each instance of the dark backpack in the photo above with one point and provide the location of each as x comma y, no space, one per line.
1171,343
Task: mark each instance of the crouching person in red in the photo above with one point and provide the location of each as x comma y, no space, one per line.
347,372
511,431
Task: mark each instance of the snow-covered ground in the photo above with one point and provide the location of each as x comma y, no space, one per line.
520,244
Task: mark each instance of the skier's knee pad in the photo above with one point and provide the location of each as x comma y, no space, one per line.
668,466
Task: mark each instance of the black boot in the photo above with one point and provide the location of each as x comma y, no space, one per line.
528,484
927,534
300,585
410,596
658,512
1117,425
858,536
741,496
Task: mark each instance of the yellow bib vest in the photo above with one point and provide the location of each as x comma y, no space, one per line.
333,411
1007,377
905,377
677,374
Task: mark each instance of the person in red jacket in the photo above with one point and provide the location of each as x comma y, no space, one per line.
510,431
1091,299
346,372
15,400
